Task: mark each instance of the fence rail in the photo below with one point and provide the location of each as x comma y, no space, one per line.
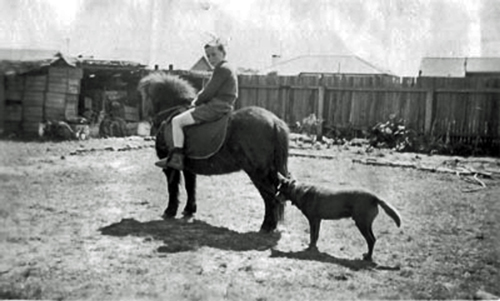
464,108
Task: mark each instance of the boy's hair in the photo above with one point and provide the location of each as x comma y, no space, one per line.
216,43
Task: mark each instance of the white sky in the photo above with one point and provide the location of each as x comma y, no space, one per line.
393,34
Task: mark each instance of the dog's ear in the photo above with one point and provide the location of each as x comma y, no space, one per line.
281,177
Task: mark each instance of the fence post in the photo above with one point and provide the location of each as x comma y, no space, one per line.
429,103
3,114
321,105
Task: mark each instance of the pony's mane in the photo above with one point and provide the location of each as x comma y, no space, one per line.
162,88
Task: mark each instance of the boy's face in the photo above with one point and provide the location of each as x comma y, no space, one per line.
214,55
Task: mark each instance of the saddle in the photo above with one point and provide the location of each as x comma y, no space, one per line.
201,141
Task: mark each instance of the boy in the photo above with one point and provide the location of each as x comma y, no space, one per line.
211,103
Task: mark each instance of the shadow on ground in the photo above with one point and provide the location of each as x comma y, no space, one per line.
353,264
180,235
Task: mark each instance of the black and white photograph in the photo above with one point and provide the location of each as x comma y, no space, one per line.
249,150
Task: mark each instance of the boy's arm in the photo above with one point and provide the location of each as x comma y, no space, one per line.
218,78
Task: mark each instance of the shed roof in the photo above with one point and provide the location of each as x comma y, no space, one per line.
325,64
442,67
29,64
13,54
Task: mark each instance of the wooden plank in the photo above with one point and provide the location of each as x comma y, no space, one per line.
131,113
36,83
429,105
58,71
31,127
3,102
57,87
75,73
14,83
13,95
13,112
73,86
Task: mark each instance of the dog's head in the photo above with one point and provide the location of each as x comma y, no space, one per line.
285,186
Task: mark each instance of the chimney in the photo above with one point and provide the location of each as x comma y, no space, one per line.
275,59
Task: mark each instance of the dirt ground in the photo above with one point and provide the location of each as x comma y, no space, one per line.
81,220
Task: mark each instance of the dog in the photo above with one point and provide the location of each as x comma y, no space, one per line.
318,203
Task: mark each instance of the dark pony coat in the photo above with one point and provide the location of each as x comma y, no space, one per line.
257,142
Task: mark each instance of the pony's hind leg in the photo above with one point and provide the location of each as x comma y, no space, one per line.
173,177
190,183
273,209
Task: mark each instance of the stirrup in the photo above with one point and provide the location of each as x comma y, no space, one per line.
162,163
176,161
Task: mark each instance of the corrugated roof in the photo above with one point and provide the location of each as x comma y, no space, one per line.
325,64
9,66
442,67
91,63
483,65
12,54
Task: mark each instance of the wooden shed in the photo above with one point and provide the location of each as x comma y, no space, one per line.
37,91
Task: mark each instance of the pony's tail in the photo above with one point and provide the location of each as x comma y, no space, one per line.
282,138
282,141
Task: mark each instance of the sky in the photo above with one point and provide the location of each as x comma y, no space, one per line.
391,34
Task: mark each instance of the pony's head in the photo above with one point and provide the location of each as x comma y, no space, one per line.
160,91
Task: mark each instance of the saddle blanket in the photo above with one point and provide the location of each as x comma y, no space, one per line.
201,141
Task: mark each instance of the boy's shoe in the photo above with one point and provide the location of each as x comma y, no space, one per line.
176,161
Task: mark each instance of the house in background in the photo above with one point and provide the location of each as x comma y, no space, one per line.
442,67
304,65
202,65
459,67
487,66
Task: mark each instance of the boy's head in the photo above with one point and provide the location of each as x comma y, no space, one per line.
215,52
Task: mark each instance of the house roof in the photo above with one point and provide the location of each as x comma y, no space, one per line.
202,65
442,67
325,64
458,67
483,65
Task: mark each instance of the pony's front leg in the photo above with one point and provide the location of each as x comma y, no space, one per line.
173,177
190,179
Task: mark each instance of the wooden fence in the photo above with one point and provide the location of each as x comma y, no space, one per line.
461,108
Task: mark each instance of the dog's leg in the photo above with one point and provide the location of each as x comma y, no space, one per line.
365,227
314,225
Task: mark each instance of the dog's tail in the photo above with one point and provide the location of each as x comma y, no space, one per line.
391,211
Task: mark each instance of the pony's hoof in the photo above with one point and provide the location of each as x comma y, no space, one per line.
188,218
269,230
167,215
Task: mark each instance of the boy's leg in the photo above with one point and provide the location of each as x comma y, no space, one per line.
176,158
178,123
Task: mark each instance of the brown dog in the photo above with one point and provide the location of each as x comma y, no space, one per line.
320,203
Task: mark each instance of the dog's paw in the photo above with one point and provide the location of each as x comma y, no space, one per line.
367,257
313,249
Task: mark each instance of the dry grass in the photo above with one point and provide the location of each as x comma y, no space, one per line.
88,227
